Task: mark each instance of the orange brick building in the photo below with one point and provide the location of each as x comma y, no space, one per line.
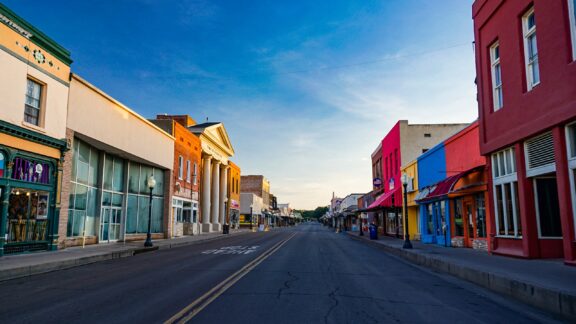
185,179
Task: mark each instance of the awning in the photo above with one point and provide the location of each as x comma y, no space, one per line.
441,188
385,201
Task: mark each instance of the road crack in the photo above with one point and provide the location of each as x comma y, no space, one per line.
332,296
287,283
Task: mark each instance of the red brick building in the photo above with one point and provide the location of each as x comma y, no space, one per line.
185,182
526,77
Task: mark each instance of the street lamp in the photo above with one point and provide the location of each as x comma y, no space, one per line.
407,243
151,184
251,218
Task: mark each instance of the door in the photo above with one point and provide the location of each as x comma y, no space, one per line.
469,223
110,220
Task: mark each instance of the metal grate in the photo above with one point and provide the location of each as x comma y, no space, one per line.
540,151
20,248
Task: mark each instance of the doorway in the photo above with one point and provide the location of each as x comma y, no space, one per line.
110,221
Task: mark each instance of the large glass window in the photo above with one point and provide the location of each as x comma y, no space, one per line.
139,199
83,201
505,189
33,102
458,218
429,220
27,215
531,49
113,173
496,76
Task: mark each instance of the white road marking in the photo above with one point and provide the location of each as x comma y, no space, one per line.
238,249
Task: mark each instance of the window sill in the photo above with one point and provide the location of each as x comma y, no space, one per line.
34,127
509,237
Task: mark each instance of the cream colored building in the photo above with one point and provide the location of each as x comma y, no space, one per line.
216,152
34,87
114,152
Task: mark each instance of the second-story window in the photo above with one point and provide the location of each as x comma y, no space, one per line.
572,12
33,102
496,76
180,167
188,171
195,174
531,49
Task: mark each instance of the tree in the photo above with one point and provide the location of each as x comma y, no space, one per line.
316,213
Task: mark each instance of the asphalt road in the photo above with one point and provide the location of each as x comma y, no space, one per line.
305,274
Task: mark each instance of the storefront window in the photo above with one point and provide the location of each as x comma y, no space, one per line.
507,213
429,220
31,171
480,216
458,220
82,210
138,204
27,215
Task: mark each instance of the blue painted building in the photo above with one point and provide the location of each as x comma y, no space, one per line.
434,208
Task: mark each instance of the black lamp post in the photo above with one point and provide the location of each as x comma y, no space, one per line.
151,184
407,243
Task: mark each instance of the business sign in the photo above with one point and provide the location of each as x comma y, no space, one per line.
31,171
377,182
391,184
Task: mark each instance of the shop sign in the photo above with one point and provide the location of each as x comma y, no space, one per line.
234,204
31,171
391,184
377,182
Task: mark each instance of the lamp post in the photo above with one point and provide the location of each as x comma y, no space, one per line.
251,218
407,243
151,184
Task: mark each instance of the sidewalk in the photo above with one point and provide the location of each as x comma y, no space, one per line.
546,284
23,265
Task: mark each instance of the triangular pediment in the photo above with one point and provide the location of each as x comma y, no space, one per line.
218,135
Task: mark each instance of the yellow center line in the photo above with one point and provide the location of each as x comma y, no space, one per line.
188,312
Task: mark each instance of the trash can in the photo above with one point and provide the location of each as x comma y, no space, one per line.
225,229
373,232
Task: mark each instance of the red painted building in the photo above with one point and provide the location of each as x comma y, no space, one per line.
526,77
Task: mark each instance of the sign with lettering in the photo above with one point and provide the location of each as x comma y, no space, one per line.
15,26
31,171
1,165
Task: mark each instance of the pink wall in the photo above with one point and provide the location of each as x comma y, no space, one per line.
391,153
463,150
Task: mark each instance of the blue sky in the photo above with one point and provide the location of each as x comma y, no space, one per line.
306,89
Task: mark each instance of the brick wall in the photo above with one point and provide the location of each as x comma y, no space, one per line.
65,193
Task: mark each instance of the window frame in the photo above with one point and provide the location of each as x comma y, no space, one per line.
188,171
195,174
529,64
502,176
497,89
572,20
40,108
180,167
571,166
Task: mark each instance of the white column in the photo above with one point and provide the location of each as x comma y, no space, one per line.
223,193
206,193
215,205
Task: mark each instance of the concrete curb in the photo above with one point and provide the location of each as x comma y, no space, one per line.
30,270
551,300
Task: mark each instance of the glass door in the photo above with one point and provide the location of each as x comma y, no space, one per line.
110,220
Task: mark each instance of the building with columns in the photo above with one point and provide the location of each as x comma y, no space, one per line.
216,152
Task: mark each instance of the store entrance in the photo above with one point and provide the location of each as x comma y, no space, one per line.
110,221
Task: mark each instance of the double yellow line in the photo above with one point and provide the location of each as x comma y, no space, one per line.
188,312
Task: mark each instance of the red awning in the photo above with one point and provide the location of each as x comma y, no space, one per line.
385,201
441,188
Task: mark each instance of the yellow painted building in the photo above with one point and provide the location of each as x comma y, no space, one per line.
411,170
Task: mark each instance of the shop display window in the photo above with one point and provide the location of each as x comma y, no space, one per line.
27,215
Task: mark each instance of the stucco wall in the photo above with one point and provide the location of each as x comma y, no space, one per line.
463,151
97,116
413,141
13,76
432,166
